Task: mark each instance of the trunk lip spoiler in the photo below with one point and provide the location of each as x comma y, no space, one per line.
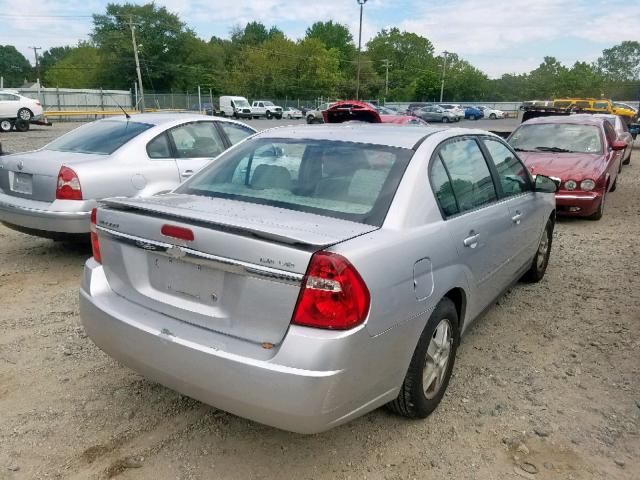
206,259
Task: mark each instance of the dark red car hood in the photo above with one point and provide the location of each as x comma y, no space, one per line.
566,166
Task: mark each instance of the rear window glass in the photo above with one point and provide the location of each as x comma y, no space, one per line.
559,137
344,180
102,138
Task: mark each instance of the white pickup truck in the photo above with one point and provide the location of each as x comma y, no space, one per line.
265,108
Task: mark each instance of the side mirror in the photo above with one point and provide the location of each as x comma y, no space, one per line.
619,145
546,184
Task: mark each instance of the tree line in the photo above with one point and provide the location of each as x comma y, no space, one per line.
257,61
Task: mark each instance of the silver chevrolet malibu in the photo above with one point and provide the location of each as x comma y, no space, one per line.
312,274
50,192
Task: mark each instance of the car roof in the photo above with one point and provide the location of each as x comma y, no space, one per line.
403,136
161,118
579,119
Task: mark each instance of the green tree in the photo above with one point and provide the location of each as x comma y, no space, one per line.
581,80
545,81
621,62
14,67
161,38
334,35
409,55
254,33
52,56
79,68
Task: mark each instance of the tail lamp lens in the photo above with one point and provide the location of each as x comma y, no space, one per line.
333,294
95,243
68,185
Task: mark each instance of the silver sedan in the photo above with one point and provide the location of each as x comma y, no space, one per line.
50,192
312,274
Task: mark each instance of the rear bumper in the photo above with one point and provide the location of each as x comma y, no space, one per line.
35,215
314,380
578,204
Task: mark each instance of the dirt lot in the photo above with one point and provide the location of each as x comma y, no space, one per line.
546,385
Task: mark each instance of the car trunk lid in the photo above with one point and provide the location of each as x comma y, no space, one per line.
34,175
241,273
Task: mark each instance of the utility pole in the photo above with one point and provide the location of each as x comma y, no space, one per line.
135,54
35,52
361,3
386,82
444,67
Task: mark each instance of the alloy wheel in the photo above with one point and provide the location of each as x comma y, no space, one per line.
437,359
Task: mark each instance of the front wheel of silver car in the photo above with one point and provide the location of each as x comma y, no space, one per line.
541,259
431,365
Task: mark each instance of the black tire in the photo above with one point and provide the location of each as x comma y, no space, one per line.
25,114
493,116
600,212
627,161
541,258
5,125
620,166
413,401
269,115
235,115
21,125
310,119
614,186
445,120
278,117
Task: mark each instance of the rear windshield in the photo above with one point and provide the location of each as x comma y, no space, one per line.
568,137
351,181
102,138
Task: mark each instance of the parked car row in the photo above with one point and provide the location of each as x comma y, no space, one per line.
237,267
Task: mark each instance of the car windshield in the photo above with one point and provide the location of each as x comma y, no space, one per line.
241,103
558,137
351,181
102,137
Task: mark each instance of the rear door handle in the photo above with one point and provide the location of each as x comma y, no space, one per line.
516,218
471,241
187,173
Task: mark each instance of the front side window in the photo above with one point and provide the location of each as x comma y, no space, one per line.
197,140
344,180
512,174
557,137
103,137
236,132
469,174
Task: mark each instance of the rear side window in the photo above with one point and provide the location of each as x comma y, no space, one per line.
197,140
442,188
512,174
469,174
235,132
344,180
102,137
159,147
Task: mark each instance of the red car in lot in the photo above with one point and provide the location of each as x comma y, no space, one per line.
581,152
354,110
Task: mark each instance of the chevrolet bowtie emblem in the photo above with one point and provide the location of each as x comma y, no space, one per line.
20,165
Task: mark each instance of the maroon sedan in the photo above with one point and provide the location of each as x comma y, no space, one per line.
581,152
354,110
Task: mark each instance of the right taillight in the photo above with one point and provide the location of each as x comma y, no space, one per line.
95,243
333,294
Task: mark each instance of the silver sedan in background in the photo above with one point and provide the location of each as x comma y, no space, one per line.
312,274
50,192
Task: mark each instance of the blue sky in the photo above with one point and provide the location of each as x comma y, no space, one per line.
498,37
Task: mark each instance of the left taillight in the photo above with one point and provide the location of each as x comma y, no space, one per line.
95,243
68,187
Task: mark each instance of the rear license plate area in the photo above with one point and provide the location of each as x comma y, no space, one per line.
186,280
21,183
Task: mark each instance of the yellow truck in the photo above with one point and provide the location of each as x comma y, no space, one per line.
595,105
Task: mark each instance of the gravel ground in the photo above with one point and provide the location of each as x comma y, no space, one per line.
546,384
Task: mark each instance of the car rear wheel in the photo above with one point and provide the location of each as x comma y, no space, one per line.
21,125
25,114
430,369
445,120
5,125
541,258
493,116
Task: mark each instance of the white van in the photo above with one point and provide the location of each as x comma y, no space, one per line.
235,107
